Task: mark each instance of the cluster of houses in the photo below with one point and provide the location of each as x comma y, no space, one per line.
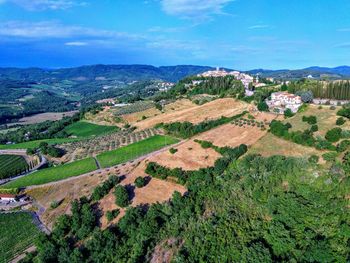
281,101
247,80
165,86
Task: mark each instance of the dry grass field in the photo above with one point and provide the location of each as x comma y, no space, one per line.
326,119
104,117
232,135
195,114
272,145
168,108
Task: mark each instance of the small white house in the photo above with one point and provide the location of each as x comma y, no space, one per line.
280,101
8,198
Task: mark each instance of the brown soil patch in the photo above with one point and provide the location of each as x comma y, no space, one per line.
189,156
195,114
232,135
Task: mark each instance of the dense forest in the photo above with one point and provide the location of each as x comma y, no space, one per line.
258,210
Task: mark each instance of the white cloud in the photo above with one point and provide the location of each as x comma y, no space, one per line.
52,29
258,27
194,9
76,44
39,5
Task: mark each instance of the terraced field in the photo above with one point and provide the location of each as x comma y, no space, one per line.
18,232
11,165
134,150
53,174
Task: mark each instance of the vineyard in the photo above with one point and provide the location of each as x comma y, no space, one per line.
12,165
18,232
88,148
135,107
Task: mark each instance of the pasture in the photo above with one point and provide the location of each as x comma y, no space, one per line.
12,165
54,174
135,150
86,129
18,232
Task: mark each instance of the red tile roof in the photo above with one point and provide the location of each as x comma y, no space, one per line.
7,196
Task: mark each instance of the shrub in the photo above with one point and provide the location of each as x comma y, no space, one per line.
330,156
340,121
103,189
288,113
344,112
332,107
313,159
121,196
333,135
262,106
314,128
110,215
172,150
140,182
309,119
54,204
343,146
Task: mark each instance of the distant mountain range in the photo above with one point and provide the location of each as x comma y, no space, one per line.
342,72
128,73
123,73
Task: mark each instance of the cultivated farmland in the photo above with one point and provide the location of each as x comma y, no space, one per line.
18,232
12,165
53,174
92,147
86,129
35,144
134,150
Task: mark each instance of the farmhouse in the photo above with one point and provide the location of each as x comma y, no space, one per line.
8,198
280,101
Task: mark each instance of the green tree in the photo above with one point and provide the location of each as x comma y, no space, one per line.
121,196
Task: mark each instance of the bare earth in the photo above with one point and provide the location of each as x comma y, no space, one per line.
190,156
195,114
232,135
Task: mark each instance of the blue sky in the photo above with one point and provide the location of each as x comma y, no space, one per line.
240,34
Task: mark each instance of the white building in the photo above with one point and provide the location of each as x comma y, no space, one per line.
280,101
8,198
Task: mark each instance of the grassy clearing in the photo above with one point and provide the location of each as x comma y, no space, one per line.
35,144
54,173
134,150
271,145
326,119
86,129
11,165
18,232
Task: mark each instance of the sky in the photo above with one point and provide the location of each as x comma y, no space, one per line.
237,34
